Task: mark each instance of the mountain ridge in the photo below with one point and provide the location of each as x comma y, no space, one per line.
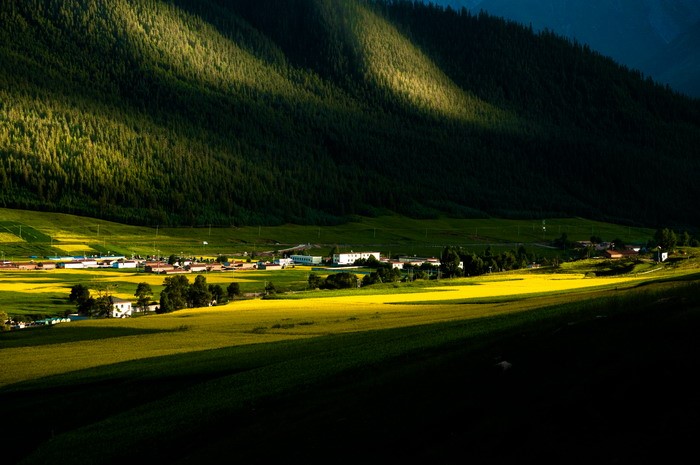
634,33
196,112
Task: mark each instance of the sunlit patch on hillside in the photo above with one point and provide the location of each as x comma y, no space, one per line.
76,248
185,46
9,237
393,62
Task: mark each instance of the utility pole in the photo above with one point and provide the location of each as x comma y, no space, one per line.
544,229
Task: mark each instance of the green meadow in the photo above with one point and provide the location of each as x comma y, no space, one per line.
63,234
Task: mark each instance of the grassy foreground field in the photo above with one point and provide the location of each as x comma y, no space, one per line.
595,366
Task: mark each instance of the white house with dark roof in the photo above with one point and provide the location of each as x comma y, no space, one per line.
120,308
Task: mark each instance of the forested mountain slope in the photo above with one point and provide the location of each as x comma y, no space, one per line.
640,34
307,111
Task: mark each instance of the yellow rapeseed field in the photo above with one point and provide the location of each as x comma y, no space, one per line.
258,321
75,248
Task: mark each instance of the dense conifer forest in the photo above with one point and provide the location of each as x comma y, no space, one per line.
309,111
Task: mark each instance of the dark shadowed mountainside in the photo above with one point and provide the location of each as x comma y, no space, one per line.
310,111
641,34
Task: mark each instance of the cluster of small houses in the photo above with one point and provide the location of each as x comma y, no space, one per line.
190,266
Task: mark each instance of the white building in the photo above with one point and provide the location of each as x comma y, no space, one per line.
197,267
307,259
72,265
284,262
349,258
123,264
120,308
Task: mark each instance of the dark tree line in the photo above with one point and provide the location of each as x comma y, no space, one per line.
343,280
178,293
473,264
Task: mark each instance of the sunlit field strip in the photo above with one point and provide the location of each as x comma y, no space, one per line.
257,321
529,284
72,248
9,237
20,282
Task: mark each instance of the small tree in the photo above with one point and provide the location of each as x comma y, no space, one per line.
79,294
4,320
618,244
143,293
174,294
233,290
684,239
103,306
270,288
198,294
217,294
222,259
449,262
314,281
665,238
341,281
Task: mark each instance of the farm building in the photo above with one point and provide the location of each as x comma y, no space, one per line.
197,267
125,264
268,266
306,259
27,266
75,265
283,262
158,267
418,261
615,254
349,258
120,308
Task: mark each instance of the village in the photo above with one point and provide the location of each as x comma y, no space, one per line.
122,308
175,265
179,265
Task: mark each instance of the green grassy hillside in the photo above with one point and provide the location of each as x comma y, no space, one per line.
250,112
25,233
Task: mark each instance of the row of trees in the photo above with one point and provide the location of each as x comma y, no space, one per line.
474,264
341,280
667,239
454,262
178,293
